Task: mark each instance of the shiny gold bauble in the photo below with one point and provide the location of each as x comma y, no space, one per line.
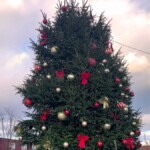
58,90
107,126
54,50
61,116
43,128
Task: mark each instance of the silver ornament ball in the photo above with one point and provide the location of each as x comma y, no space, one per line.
84,123
45,64
58,90
70,77
48,76
120,85
65,144
132,133
104,61
107,126
106,70
43,128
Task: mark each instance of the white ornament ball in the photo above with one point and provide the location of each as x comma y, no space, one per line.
58,90
120,70
120,85
84,123
37,133
104,61
132,133
106,70
45,64
70,77
122,94
33,128
61,116
101,64
134,123
43,128
126,109
126,96
125,79
48,76
65,144
54,49
107,126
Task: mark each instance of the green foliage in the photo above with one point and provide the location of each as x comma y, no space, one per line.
75,36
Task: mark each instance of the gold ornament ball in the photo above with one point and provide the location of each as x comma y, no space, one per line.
84,123
61,116
70,77
65,144
134,123
107,126
48,76
58,90
126,109
132,133
54,49
43,128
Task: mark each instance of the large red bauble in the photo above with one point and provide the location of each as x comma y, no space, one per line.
63,8
96,104
99,144
92,61
44,21
66,112
27,102
124,141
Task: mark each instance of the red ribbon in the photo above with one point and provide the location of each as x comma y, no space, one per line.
84,77
130,142
82,139
59,74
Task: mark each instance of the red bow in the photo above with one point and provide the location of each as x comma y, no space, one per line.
130,142
85,76
59,74
82,139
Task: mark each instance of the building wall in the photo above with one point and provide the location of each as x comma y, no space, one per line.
10,144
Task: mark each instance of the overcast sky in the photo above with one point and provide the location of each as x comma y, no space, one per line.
130,25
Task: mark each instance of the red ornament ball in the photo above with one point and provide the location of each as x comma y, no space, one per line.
124,141
66,112
117,80
108,51
44,21
43,117
131,94
94,46
138,132
92,61
96,104
99,144
27,102
63,8
43,43
139,144
127,89
43,36
37,67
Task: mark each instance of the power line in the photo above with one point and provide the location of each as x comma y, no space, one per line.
131,47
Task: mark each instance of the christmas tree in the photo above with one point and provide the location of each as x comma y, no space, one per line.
79,93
